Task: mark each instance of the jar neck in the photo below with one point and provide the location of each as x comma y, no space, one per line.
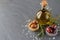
43,8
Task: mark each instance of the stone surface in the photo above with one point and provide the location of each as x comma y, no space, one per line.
14,13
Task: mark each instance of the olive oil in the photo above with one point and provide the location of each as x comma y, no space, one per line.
43,16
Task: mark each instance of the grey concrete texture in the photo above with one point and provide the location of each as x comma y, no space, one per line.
13,13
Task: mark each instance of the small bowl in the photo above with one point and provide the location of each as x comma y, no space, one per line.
52,34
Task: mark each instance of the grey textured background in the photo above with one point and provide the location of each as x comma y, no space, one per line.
13,13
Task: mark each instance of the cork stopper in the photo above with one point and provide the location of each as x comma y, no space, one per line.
44,3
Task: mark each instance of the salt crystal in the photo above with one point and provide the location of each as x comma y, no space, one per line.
28,20
36,38
53,38
49,38
33,39
39,39
26,25
33,35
